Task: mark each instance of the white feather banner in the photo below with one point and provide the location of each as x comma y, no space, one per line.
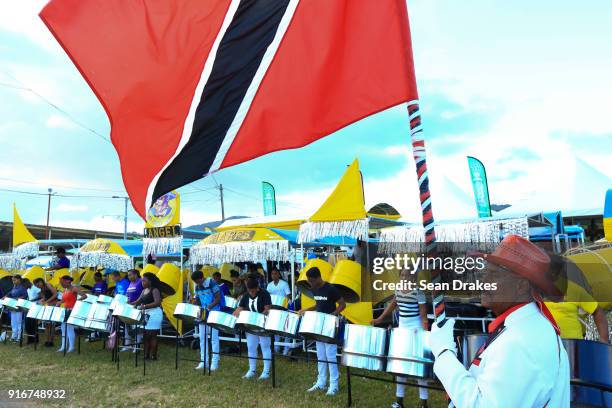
100,258
485,235
162,246
8,262
252,251
311,231
26,250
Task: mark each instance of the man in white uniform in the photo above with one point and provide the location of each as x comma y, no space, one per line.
523,363
281,288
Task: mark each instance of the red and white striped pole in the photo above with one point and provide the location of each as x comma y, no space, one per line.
418,152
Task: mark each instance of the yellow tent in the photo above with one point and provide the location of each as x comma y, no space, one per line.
595,265
240,245
34,273
271,221
342,214
24,243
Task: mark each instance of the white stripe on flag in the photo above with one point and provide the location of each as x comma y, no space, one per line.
188,125
254,86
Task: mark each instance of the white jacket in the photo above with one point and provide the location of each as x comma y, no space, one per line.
525,366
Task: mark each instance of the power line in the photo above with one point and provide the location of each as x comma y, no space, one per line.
55,195
53,105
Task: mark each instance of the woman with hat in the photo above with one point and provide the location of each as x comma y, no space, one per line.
70,293
48,295
150,302
523,362
17,292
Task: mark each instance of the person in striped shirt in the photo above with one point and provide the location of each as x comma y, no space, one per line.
413,315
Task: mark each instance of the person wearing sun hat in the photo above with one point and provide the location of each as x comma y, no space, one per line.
523,362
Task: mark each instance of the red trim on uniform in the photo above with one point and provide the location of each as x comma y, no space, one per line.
499,320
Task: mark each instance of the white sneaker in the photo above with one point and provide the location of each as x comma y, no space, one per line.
331,391
134,350
3,336
124,349
60,350
316,387
200,366
249,374
264,376
70,350
214,366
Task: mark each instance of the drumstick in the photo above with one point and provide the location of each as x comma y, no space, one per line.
418,152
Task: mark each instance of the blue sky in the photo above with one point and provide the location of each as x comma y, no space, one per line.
524,86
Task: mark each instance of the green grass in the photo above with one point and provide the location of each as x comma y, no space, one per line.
92,380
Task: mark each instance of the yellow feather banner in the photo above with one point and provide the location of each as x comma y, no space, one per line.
21,234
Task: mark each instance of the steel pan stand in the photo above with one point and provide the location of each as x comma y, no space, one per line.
22,329
178,339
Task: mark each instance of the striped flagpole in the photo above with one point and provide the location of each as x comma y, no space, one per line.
418,152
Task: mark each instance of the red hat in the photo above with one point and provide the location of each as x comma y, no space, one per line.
527,260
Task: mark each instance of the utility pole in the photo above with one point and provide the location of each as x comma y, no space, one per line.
222,207
50,191
125,210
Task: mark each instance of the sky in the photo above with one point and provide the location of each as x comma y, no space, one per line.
524,86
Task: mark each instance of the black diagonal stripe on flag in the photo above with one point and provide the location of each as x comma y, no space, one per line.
237,60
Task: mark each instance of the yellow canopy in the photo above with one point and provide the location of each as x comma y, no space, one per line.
272,221
103,252
24,243
595,265
358,313
343,213
4,274
34,273
240,245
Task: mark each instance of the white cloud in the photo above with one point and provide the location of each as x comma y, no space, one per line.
59,121
71,208
21,17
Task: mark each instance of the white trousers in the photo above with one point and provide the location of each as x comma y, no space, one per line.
400,389
279,339
326,354
68,333
264,342
127,339
206,331
16,320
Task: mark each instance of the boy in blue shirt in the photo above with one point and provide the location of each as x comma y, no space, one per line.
208,296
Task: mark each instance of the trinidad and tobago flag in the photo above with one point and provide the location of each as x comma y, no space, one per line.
194,86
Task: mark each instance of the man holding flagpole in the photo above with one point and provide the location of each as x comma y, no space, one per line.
523,362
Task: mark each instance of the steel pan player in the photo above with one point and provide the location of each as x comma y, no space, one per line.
412,315
279,287
133,291
256,300
523,363
326,296
208,296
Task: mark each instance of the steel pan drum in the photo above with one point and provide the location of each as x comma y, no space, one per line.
221,321
470,346
319,326
231,302
105,299
590,364
251,322
91,298
36,312
278,302
409,353
187,311
24,304
97,319
364,347
79,314
54,314
128,314
282,323
10,304
117,300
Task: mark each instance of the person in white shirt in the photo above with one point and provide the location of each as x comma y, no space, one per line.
523,363
30,324
279,287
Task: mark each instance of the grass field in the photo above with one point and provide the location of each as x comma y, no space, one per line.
92,380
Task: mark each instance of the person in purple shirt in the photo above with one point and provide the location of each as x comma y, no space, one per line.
62,261
132,292
100,287
18,292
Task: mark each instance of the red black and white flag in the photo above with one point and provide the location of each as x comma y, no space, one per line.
194,86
